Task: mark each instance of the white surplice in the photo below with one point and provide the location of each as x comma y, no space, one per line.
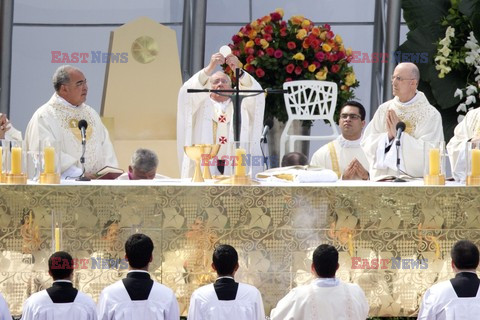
423,124
4,312
248,304
13,134
115,304
39,306
468,128
57,120
323,299
195,119
345,152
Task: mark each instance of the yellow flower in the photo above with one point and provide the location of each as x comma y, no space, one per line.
299,56
323,35
350,79
326,47
305,23
302,33
240,34
312,67
338,39
322,74
264,43
297,20
349,52
280,11
252,34
249,44
254,24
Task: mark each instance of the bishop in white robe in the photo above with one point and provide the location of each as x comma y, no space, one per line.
423,124
57,120
207,118
4,312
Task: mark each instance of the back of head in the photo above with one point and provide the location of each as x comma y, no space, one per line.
225,259
353,103
60,265
465,255
294,159
144,160
325,261
138,248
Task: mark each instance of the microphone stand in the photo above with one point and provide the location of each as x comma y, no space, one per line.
265,158
398,179
82,161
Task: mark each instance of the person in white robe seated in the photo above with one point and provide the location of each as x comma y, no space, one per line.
207,118
226,298
7,131
326,297
468,130
143,166
457,298
4,312
138,296
58,119
344,155
61,300
423,123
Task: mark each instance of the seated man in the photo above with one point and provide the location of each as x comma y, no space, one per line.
143,166
57,120
326,297
206,118
61,300
138,296
7,131
226,299
294,159
4,312
423,123
457,298
344,155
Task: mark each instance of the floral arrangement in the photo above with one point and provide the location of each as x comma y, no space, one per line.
275,51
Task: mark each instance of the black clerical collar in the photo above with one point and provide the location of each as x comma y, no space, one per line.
225,279
138,274
62,283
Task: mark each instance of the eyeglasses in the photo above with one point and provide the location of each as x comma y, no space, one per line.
352,116
220,80
398,78
80,83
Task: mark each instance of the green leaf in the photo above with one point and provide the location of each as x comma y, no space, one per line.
417,13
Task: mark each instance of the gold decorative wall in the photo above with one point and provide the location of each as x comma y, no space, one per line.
275,230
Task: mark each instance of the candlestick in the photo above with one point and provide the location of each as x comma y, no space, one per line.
1,160
57,238
16,160
434,157
241,166
475,162
49,159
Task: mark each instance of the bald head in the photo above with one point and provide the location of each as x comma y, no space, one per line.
405,81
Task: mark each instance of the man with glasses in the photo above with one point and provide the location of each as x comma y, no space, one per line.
423,123
344,155
207,118
57,120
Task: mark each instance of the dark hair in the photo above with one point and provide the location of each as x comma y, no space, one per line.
138,248
356,104
225,259
325,261
60,265
293,159
465,255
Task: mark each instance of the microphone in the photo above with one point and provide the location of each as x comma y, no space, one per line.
268,126
82,125
400,128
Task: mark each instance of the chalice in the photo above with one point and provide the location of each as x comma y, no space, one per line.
195,153
214,148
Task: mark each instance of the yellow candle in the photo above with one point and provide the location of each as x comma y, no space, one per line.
241,168
1,160
434,159
49,159
475,162
57,239
16,160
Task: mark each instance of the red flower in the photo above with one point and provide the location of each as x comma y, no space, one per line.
317,64
330,35
250,58
249,68
268,29
335,68
288,79
283,32
298,70
257,41
289,68
320,56
236,39
275,16
278,54
327,26
291,45
249,51
259,72
305,64
268,37
260,53
270,51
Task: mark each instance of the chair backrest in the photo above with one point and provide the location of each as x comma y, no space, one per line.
310,99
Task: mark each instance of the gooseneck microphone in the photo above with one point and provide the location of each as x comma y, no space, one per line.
400,128
82,125
268,126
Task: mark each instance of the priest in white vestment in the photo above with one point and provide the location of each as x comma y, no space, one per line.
344,155
457,298
138,296
423,124
7,131
57,120
4,312
226,298
468,130
62,300
326,297
143,166
207,118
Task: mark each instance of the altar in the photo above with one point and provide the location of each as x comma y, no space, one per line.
394,240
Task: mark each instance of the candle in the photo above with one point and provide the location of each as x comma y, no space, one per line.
16,160
241,168
49,159
475,162
57,238
434,160
1,160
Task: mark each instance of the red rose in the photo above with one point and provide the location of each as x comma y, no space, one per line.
340,55
278,54
259,72
288,79
305,64
250,68
298,70
236,39
249,51
289,68
283,32
250,58
283,23
275,16
327,26
320,56
317,64
268,37
260,53
270,51
257,41
335,68
268,29
291,45
330,35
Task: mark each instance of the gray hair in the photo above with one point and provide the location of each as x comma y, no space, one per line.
144,160
62,76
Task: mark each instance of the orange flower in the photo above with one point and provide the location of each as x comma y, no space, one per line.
252,34
297,20
312,67
316,31
249,44
267,19
326,47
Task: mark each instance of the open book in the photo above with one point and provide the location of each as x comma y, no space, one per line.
108,173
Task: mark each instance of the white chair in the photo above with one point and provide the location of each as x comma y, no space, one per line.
308,100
